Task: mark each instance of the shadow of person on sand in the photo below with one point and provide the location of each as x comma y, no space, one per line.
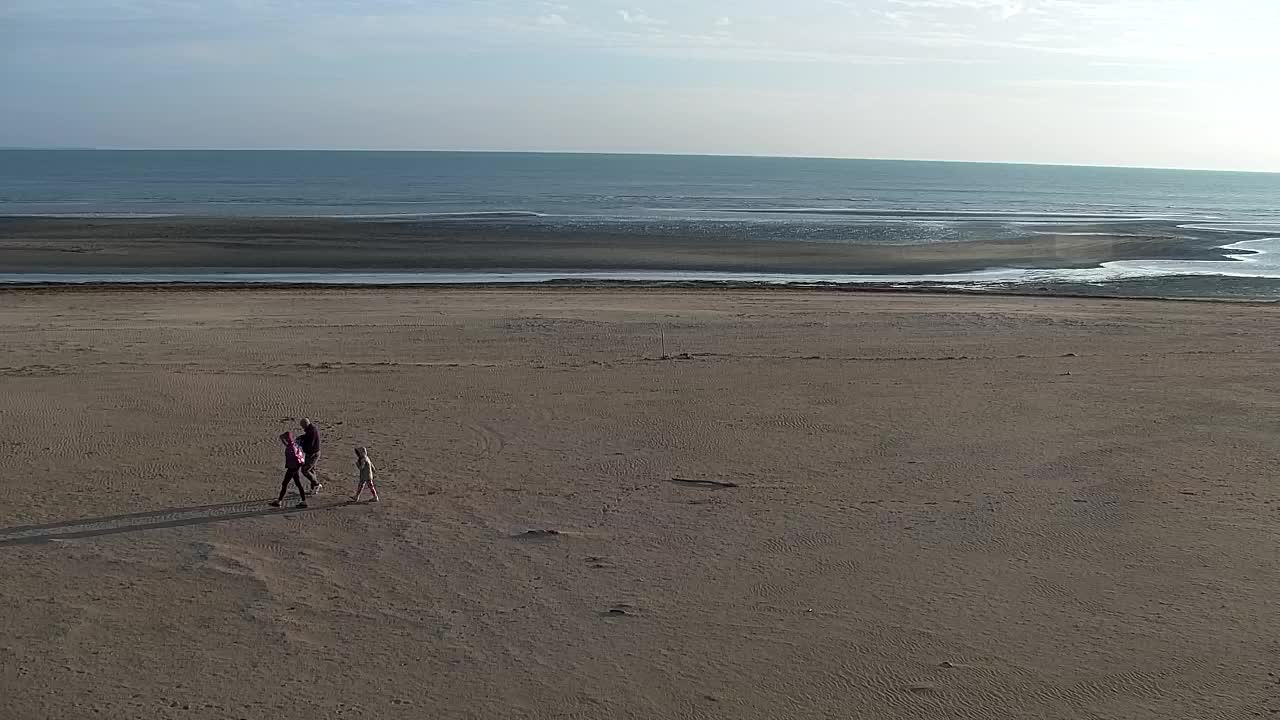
151,520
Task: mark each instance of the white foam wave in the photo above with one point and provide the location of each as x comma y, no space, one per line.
1250,228
478,215
955,214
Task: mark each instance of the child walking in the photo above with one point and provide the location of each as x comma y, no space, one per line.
293,459
365,467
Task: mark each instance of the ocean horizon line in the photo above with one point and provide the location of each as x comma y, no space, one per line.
588,153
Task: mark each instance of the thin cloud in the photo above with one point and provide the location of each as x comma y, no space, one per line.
1001,9
639,17
1099,33
1096,83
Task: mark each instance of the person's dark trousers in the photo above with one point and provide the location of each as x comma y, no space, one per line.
291,474
309,469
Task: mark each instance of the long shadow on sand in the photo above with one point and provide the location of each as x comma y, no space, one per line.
152,520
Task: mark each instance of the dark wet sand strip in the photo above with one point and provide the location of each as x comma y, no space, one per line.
69,245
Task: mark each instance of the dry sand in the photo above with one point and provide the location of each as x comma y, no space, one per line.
944,507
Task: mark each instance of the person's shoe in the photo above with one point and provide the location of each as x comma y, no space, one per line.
274,503
375,500
302,504
316,488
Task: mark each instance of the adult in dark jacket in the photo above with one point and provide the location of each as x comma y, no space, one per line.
309,441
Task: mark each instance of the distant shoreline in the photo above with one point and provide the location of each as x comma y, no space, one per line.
565,286
1141,258
515,244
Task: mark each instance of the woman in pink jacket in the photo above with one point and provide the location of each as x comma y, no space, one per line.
292,465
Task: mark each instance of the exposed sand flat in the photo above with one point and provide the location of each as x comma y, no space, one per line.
958,507
266,244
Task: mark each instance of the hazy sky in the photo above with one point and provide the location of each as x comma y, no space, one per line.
1184,83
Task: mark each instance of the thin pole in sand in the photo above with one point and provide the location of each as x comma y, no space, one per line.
662,335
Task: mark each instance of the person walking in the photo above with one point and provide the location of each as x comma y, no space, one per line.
293,459
364,466
310,444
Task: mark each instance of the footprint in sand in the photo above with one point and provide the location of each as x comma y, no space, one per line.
537,534
619,610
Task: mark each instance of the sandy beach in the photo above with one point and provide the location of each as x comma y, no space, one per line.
818,504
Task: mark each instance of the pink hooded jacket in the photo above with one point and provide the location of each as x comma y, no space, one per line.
292,453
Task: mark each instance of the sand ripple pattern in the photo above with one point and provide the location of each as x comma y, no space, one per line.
818,504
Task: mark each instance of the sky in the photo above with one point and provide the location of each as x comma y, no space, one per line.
1157,83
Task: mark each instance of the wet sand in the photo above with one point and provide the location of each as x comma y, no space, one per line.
901,506
71,245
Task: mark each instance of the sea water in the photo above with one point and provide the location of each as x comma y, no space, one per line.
826,200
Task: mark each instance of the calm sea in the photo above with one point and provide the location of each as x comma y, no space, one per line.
787,198
275,183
